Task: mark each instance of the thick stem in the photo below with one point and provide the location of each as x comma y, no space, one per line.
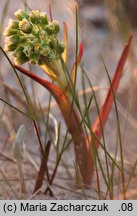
85,164
83,150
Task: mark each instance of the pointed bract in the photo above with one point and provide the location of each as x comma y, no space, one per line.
64,54
74,68
105,110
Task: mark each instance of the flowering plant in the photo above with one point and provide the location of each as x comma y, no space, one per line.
33,38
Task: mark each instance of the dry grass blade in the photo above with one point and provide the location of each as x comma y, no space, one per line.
13,92
9,184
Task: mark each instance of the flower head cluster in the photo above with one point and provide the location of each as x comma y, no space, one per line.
31,37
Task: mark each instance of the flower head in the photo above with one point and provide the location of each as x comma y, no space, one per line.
33,38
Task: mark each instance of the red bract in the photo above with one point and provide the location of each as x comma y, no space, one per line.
96,127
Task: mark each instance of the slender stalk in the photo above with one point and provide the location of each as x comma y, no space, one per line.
50,13
43,168
98,183
38,137
53,175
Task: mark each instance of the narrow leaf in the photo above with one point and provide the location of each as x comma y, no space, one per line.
74,68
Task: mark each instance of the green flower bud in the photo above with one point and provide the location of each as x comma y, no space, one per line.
10,32
17,38
19,56
43,19
60,47
45,50
14,39
57,45
9,47
49,53
25,26
20,14
13,24
11,43
28,49
34,15
50,28
12,28
56,26
51,56
34,58
38,17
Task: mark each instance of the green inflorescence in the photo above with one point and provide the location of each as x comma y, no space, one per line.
32,37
